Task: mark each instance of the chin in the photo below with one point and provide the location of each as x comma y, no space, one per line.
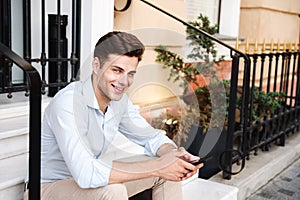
117,97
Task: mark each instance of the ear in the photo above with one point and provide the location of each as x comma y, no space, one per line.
96,65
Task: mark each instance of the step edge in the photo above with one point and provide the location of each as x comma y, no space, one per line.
11,182
14,153
14,133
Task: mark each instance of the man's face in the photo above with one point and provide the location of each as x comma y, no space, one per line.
115,76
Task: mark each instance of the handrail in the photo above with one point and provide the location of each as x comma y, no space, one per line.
246,80
34,82
196,29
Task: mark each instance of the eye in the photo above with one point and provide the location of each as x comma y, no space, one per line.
131,75
117,71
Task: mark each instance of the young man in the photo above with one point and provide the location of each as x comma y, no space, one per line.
81,121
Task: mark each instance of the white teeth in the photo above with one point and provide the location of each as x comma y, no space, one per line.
118,88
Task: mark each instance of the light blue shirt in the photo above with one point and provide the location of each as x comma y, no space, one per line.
76,134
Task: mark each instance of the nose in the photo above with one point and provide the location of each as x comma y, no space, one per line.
123,80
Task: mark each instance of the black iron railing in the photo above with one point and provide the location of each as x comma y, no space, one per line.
61,68
263,100
57,58
34,86
230,155
274,109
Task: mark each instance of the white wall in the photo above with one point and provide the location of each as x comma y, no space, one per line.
97,19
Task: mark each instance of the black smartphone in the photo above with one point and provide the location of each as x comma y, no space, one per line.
201,160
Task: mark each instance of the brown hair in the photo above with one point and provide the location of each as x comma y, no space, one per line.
119,43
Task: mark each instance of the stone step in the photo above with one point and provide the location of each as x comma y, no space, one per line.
14,136
14,156
13,170
14,127
14,144
12,175
198,189
10,108
18,105
14,110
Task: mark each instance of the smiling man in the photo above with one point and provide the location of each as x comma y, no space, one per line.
81,121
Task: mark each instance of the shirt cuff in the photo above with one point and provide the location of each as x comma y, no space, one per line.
155,143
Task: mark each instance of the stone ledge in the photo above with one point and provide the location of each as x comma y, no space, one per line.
198,189
260,169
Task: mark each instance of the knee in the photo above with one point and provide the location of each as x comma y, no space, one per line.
116,192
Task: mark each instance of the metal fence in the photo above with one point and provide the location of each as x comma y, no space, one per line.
266,109
56,62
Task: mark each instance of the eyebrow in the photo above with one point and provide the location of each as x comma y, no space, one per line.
120,68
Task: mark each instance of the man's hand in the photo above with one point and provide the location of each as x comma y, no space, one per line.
176,166
187,156
173,164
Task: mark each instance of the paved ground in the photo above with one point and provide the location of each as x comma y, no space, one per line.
286,186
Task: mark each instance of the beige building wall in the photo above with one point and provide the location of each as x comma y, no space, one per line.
265,19
259,19
153,28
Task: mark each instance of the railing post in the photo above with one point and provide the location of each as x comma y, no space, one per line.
231,116
34,134
297,91
76,26
27,29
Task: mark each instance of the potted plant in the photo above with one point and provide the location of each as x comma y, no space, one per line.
198,79
177,123
263,106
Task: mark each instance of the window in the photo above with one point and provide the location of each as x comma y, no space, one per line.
209,8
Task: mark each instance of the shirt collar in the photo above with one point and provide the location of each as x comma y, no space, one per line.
91,100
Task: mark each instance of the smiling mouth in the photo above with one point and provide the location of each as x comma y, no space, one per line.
119,89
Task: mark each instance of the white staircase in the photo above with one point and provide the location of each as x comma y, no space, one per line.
14,126
14,143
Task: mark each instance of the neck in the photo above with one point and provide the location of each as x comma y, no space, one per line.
102,107
102,100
